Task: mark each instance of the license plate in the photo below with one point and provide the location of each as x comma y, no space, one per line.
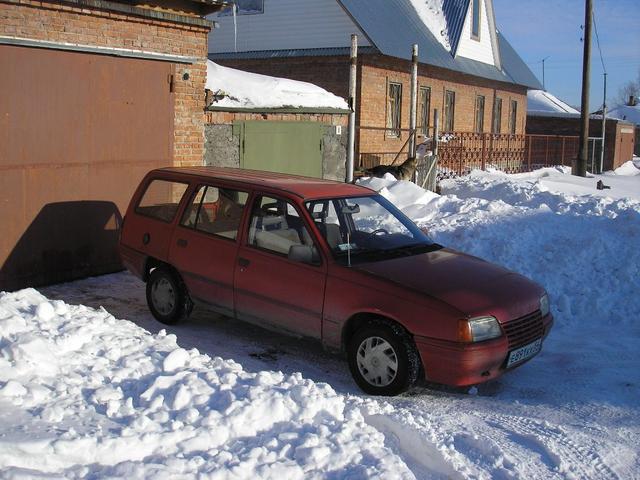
523,353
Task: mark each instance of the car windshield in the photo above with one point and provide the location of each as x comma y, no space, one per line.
368,228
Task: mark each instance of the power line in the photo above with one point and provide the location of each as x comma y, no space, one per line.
595,25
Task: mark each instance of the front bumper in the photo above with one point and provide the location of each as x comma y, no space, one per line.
462,364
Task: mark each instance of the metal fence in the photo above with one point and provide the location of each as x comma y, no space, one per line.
461,152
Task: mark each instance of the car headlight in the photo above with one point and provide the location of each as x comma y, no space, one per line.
478,329
544,305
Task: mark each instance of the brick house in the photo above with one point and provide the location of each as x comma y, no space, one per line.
94,94
467,70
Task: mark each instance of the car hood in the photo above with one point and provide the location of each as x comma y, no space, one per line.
469,284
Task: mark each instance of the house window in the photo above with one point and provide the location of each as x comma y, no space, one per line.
449,110
497,116
244,7
425,108
513,116
479,122
394,106
475,20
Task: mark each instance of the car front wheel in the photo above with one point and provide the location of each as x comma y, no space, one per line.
167,297
383,359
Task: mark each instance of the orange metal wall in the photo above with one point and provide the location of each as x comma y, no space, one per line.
77,133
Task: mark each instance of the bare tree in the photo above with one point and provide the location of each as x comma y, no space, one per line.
632,87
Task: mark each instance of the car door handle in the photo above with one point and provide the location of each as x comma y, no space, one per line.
182,242
243,262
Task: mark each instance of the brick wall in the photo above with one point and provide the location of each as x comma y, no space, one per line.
619,135
330,73
216,117
85,25
374,73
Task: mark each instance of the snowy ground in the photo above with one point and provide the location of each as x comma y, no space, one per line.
85,395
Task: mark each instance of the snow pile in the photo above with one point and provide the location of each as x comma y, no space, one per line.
84,394
431,13
542,103
238,89
519,223
628,169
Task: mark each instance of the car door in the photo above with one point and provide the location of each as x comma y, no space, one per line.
269,285
205,244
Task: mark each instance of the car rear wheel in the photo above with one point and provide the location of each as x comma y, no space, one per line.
383,359
167,297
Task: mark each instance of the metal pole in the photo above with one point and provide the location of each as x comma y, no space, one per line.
413,114
580,168
544,85
352,105
604,123
436,130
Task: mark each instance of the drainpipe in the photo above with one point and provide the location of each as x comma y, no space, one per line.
414,101
352,105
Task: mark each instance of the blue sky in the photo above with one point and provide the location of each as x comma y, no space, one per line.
541,28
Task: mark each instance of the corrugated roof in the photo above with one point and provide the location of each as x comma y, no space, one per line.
455,12
293,52
393,26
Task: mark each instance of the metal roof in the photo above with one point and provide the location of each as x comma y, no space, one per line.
455,12
393,26
293,52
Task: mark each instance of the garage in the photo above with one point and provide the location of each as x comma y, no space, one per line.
93,98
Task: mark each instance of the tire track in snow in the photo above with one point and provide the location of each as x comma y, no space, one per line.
557,451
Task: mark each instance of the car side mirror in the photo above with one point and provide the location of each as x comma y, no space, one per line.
304,254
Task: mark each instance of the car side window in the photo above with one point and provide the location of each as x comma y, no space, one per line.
161,199
276,226
215,210
325,217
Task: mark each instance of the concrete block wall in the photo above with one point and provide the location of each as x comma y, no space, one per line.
222,147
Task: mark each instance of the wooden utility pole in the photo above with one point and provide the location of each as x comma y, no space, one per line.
580,168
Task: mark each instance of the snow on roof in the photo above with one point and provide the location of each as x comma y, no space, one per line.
542,103
626,112
238,89
431,12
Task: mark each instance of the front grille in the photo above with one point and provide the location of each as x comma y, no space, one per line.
524,330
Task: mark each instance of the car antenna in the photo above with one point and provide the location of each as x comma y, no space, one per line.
349,249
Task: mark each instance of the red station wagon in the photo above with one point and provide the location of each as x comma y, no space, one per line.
332,261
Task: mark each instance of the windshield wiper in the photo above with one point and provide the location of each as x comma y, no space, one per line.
416,248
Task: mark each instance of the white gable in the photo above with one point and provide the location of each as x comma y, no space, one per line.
482,49
287,24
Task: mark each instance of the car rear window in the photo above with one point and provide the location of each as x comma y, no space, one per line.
161,199
215,210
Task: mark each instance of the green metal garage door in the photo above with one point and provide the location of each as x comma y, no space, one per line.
286,147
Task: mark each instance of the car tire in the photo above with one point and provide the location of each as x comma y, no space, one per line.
167,296
383,359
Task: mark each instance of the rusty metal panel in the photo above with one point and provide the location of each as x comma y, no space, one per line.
77,133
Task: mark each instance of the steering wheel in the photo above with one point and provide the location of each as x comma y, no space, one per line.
380,230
